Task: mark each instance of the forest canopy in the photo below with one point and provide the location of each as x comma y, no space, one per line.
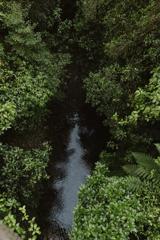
115,45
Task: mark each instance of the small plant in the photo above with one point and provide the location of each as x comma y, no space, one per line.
146,167
22,171
25,227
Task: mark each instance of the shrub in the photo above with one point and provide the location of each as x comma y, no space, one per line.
22,171
110,208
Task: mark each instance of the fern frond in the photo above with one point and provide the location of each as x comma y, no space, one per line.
147,168
142,172
145,160
157,146
130,169
135,184
156,180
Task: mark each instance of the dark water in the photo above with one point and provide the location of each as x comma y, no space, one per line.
77,136
75,150
75,170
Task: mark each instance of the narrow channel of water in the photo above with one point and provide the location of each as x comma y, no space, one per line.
78,138
75,170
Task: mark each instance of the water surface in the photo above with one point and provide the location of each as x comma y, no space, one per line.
75,169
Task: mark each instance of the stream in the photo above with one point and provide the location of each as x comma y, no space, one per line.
75,170
77,137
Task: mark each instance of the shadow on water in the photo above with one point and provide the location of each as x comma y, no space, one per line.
77,136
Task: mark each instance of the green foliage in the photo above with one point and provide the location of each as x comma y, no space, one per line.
21,174
50,20
32,67
110,208
21,171
26,228
146,103
123,83
117,45
100,83
29,73
146,167
7,116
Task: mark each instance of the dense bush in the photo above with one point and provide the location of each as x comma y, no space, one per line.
30,73
21,174
9,209
146,102
112,208
21,171
124,85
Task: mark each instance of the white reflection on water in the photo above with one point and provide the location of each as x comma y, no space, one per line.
75,172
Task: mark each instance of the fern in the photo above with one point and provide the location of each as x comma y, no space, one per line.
146,167
158,147
135,184
130,169
144,160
